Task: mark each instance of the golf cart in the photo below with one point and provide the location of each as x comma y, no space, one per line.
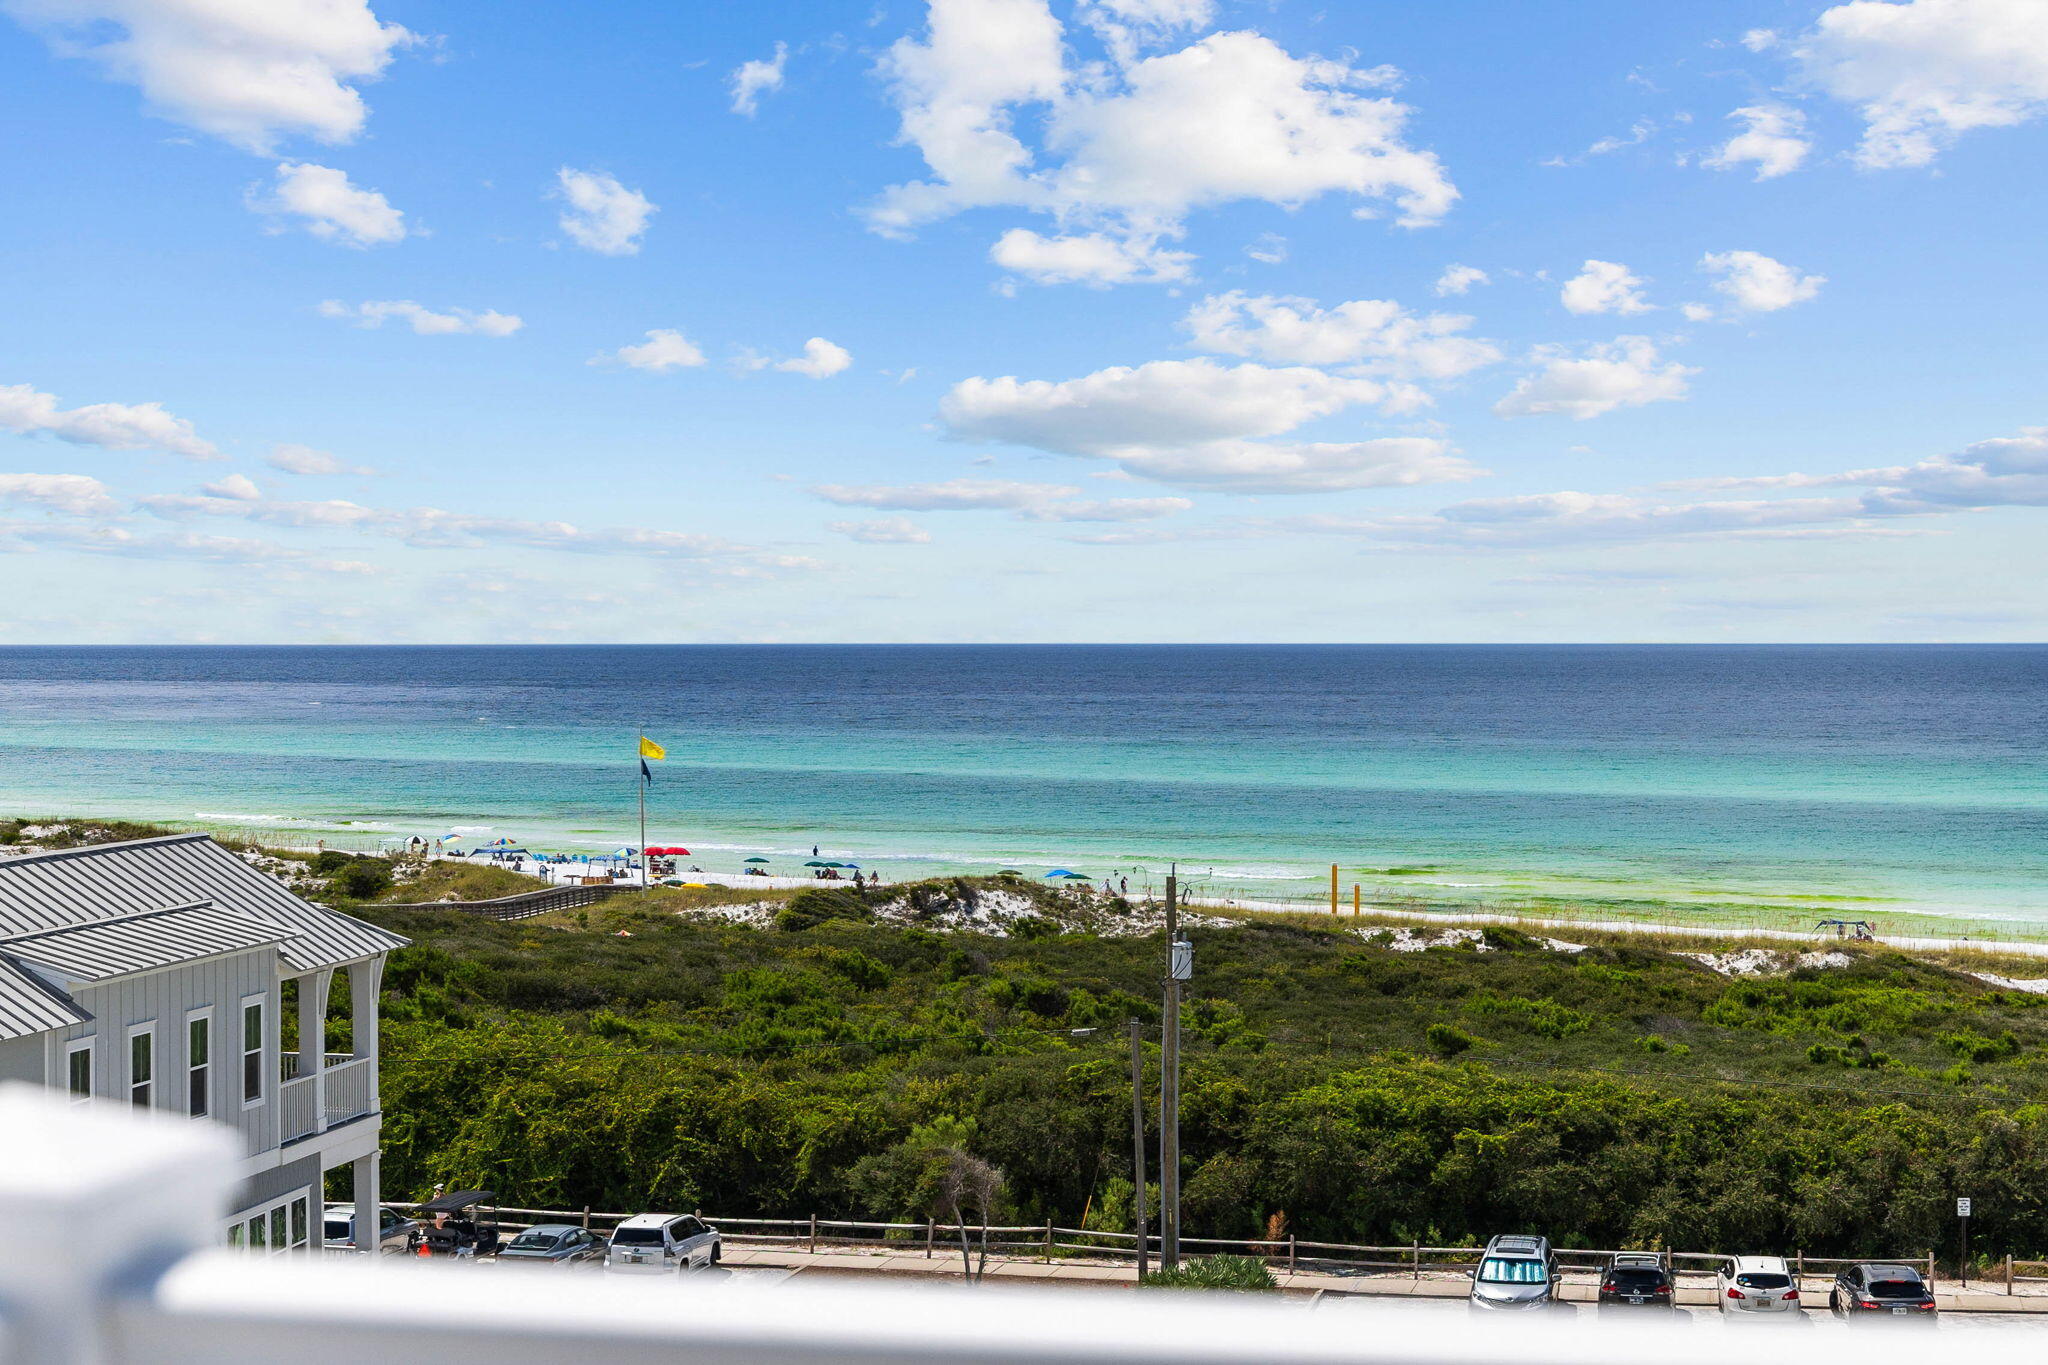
461,1223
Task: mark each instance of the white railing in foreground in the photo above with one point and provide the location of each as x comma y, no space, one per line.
111,1216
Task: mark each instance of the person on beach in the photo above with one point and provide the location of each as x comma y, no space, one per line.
814,850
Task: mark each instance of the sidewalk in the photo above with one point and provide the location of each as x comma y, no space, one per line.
944,1264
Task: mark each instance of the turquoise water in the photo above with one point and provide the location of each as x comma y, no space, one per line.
1873,778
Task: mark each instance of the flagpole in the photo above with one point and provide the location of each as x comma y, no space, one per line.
639,771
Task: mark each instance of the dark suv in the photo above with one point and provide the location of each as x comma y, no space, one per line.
1636,1280
1896,1290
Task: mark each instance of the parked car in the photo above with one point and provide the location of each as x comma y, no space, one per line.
1636,1279
1881,1288
1756,1284
1516,1272
556,1244
662,1243
338,1227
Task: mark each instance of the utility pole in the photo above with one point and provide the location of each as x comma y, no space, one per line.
1138,1144
1169,1084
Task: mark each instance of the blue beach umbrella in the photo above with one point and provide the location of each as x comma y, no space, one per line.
1058,872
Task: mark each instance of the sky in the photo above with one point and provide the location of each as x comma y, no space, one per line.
413,321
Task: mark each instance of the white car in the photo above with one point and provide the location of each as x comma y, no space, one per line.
661,1244
1756,1284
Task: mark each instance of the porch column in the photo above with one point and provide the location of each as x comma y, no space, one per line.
369,1194
313,1038
365,981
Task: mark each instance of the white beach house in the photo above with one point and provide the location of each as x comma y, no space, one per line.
152,973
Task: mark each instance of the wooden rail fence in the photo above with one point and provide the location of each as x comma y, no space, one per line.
1046,1240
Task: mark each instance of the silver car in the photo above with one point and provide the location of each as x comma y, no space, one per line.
1515,1273
338,1227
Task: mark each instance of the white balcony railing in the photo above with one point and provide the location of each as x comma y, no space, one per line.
161,1292
297,1115
348,1090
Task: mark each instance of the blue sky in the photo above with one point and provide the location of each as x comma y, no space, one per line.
330,320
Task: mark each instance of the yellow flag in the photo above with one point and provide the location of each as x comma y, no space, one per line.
649,749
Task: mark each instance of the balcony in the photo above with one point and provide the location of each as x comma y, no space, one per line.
348,1091
350,1094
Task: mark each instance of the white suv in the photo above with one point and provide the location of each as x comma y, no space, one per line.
1756,1284
661,1243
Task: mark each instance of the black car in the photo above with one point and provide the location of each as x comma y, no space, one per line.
1636,1282
1896,1290
556,1244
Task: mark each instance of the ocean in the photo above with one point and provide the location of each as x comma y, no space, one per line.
1766,784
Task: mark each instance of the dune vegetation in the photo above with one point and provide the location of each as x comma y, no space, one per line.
1343,1082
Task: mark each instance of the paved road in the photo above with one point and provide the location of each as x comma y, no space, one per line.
1694,1319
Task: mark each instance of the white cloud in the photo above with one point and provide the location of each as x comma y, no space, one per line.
298,459
1097,259
249,72
1923,72
820,360
665,349
1760,39
602,215
436,528
1622,373
112,426
1604,287
1773,140
240,487
1029,501
1641,131
2006,471
2009,471
1758,284
1127,25
334,210
1269,249
1696,312
751,80
72,494
1197,424
425,321
884,531
1458,279
1132,147
1108,509
954,495
1377,335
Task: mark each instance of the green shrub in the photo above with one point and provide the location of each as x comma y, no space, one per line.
1233,1274
1545,1017
1449,1039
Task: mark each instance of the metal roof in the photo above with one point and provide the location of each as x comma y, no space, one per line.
29,1007
65,888
142,941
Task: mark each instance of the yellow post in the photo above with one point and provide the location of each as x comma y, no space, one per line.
1333,888
1355,909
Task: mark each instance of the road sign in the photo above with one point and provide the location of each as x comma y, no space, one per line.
1962,1208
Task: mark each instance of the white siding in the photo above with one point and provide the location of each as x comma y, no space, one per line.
21,1059
165,997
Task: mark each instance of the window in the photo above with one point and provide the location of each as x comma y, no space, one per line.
142,1065
252,1052
1763,1280
78,1071
198,1064
1499,1270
